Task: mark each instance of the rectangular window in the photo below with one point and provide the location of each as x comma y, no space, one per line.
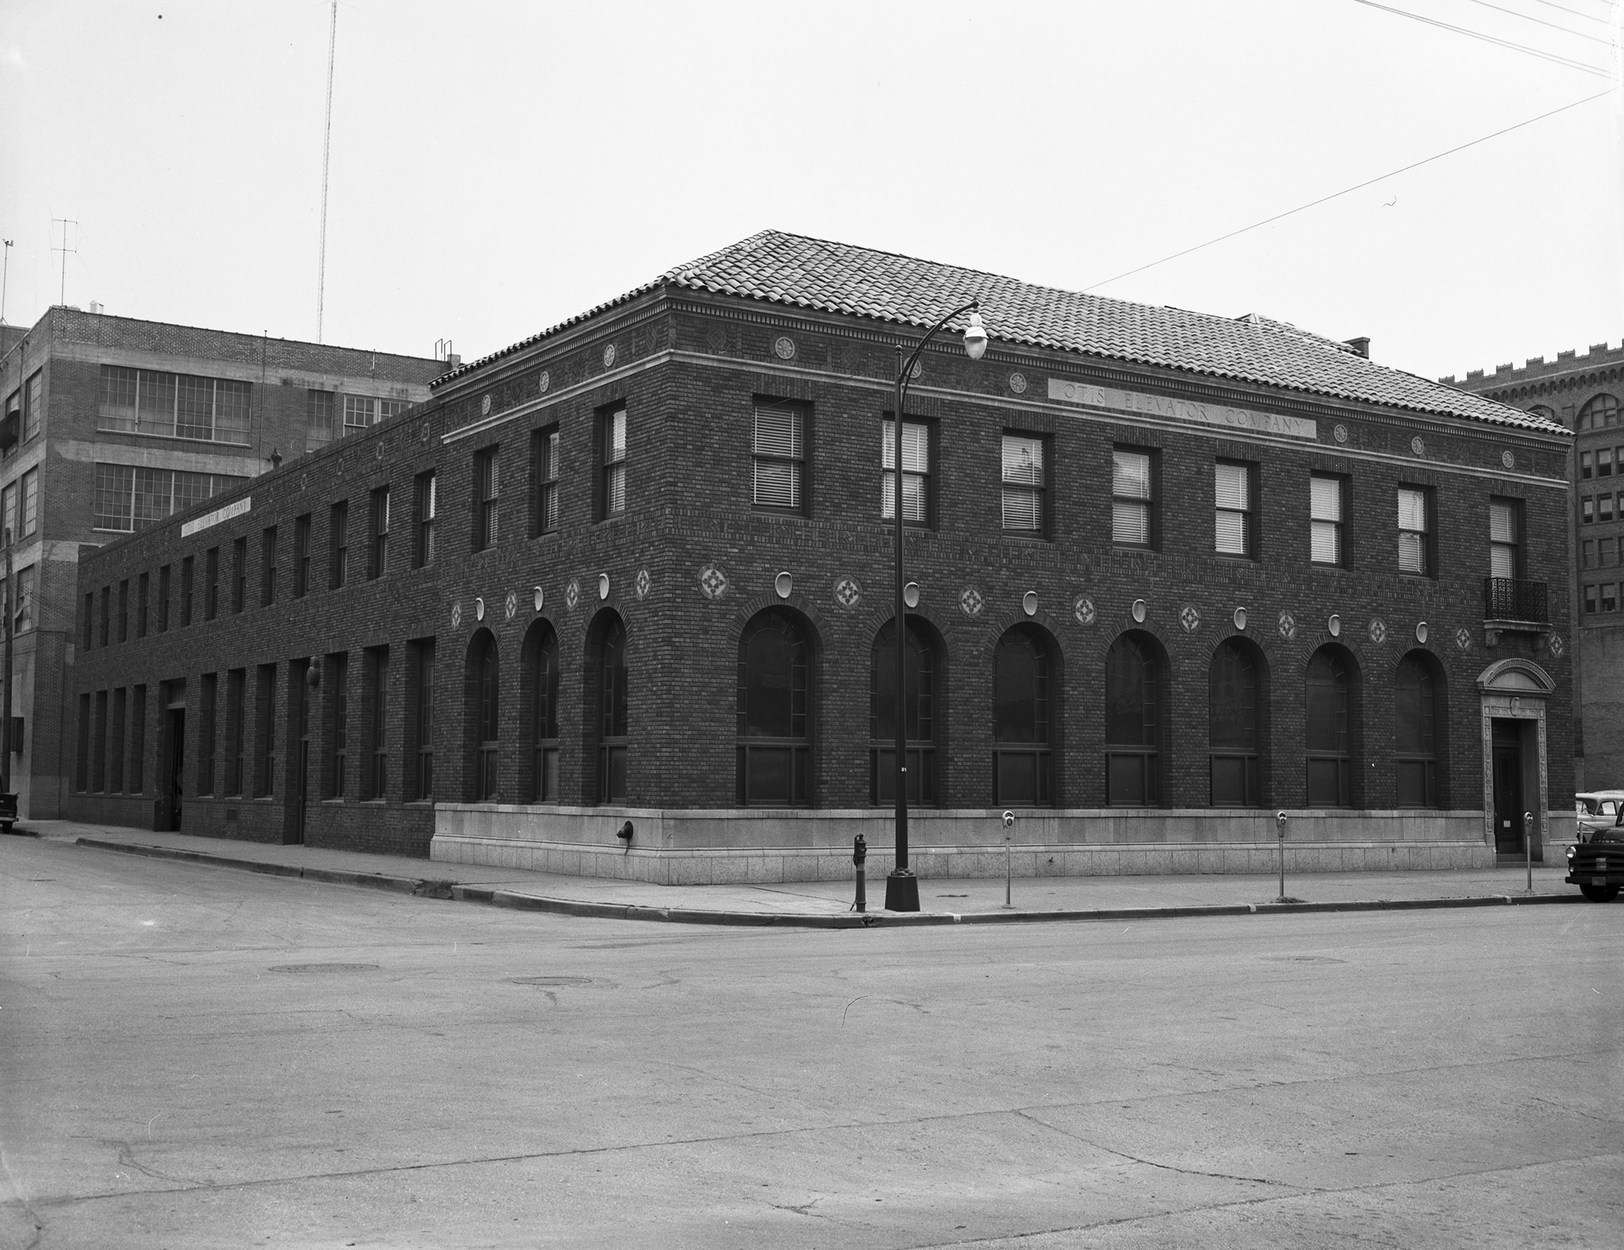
612,445
487,495
423,509
1587,510
127,498
98,774
1505,538
1609,596
163,598
106,614
1024,485
236,686
1133,498
419,738
301,555
87,621
375,722
335,684
30,505
8,512
1604,462
23,608
544,471
1414,530
115,762
123,608
1326,510
1604,507
211,584
320,416
138,739
338,544
267,566
239,574
265,730
143,587
1590,600
778,450
378,533
33,405
1235,508
916,470
1587,464
360,411
1606,552
174,405
81,759
207,696
187,565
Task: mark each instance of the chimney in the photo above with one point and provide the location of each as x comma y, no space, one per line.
1361,346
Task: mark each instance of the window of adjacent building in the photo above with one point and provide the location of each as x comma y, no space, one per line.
1604,507
487,497
1327,511
239,574
1587,464
778,455
922,671
328,414
8,512
1235,706
211,584
301,555
612,459
236,689
483,719
173,405
87,621
1025,484
1606,552
115,758
24,606
187,566
207,697
1609,596
1234,487
143,587
123,607
1023,719
1505,538
335,681
1415,530
138,738
1590,600
1604,462
338,544
33,405
1587,510
128,498
423,512
267,566
916,471
320,418
1133,497
81,758
419,743
541,684
378,533
163,598
14,411
98,774
30,503
1418,717
773,713
106,614
613,722
1135,714
374,722
1329,730
264,730
1599,413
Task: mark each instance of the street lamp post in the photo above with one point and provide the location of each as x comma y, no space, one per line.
901,886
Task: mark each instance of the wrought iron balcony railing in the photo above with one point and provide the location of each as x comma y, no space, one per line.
1512,599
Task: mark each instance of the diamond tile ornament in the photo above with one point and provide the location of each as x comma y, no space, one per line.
970,601
1288,626
1463,638
1083,610
847,592
511,605
1190,618
1378,630
712,582
1555,645
644,583
456,616
572,594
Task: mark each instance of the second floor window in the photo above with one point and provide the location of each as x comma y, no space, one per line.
301,555
267,566
423,508
175,405
778,456
487,494
915,471
378,533
338,544
1133,498
612,438
30,513
1024,484
1325,510
544,465
1235,515
1505,538
1414,531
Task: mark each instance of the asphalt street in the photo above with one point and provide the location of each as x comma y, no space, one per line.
199,1057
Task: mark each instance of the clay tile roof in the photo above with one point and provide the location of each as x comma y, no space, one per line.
803,272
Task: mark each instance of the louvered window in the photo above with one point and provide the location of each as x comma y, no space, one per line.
1325,525
1233,493
778,448
1132,497
1024,484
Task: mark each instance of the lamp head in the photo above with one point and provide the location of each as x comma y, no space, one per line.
975,337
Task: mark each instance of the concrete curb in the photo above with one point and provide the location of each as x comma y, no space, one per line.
429,887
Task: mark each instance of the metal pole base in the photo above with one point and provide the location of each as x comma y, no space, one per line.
902,891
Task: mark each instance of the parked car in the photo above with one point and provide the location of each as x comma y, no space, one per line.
1597,866
1597,809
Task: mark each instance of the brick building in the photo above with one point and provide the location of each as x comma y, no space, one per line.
1584,393
110,425
1172,572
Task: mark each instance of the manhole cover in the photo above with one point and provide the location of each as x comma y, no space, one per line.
551,982
325,968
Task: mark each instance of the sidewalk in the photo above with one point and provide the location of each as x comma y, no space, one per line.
828,904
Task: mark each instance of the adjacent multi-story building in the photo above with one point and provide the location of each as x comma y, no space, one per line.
619,599
111,424
1584,393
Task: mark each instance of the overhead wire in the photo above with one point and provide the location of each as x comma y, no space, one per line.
1528,17
1514,46
1358,186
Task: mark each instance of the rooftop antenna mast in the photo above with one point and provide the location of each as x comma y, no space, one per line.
4,275
64,222
326,152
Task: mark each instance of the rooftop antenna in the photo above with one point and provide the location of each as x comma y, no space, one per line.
64,222
326,151
5,273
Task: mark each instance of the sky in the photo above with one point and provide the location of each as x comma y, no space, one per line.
493,167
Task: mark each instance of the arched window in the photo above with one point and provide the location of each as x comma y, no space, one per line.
611,708
541,713
1331,688
1418,727
1023,720
1599,413
920,691
1235,702
1134,720
774,715
481,688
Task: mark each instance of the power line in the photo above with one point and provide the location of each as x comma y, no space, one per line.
1528,17
1358,186
1498,42
1589,17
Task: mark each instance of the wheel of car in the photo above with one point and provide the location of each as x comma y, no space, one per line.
1599,893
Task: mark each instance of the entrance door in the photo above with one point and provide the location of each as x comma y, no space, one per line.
175,753
1508,789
